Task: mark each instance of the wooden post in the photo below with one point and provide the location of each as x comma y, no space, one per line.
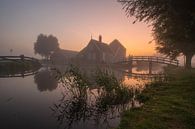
130,70
130,60
22,57
150,67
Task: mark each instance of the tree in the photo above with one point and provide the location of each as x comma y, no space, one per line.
173,23
46,45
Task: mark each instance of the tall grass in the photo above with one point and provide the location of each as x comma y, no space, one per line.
80,103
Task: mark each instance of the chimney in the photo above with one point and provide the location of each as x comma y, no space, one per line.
100,38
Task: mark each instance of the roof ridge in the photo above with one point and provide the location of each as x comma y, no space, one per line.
99,42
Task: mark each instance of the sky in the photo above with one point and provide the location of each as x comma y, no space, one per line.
72,22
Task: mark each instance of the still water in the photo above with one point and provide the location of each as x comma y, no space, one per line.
41,102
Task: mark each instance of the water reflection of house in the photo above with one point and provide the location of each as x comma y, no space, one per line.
100,52
90,72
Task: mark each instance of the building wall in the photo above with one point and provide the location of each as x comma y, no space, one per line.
94,55
119,55
90,53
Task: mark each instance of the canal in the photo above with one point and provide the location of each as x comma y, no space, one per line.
41,101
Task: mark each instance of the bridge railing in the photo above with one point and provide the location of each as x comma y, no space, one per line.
18,58
154,59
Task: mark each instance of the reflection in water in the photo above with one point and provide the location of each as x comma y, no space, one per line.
80,106
82,103
145,68
46,80
91,97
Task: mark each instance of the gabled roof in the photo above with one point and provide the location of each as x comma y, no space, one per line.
102,47
115,44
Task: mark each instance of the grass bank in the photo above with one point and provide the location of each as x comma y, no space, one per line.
168,105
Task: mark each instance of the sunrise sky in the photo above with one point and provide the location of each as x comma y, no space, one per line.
72,22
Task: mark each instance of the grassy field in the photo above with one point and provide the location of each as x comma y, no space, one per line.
169,105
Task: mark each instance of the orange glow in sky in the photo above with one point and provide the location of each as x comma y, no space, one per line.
72,22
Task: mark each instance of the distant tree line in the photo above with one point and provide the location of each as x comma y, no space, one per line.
173,23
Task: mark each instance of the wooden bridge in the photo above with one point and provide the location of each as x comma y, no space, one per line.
150,59
18,58
18,66
128,62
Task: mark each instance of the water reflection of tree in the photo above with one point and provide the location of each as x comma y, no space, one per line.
46,80
81,103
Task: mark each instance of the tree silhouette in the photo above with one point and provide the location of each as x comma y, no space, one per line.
173,23
45,45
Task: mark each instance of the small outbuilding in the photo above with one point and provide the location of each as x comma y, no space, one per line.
118,50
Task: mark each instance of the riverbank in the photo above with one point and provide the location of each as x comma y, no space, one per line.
168,105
